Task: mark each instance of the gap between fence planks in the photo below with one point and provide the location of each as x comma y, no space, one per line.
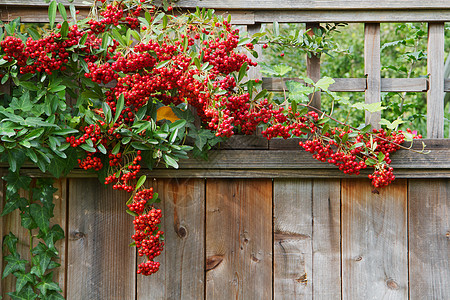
429,235
374,241
239,239
100,262
181,275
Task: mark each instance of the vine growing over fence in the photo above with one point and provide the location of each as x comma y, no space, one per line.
120,90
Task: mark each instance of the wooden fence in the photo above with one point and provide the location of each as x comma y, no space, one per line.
263,220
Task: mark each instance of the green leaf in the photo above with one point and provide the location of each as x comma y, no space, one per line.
14,264
13,204
119,107
64,28
101,148
65,131
170,161
22,280
282,69
242,71
140,182
62,11
116,149
178,124
324,83
88,148
118,37
27,293
370,162
276,28
10,240
18,181
40,216
381,156
107,112
29,85
34,134
163,64
61,167
52,13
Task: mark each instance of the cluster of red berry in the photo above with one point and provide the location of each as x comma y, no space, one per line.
147,234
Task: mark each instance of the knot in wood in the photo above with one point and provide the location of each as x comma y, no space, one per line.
213,261
78,235
359,258
392,284
181,231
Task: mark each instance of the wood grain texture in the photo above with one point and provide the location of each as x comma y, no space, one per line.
181,275
349,16
326,242
255,72
374,241
357,84
429,238
372,67
238,239
100,264
287,4
12,223
60,218
435,96
2,204
293,238
242,17
447,85
313,67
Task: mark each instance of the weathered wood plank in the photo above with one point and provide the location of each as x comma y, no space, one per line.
100,264
326,239
374,241
358,84
2,231
349,16
404,84
40,14
181,275
60,218
313,68
238,239
429,234
447,85
270,173
372,67
12,223
293,235
255,72
287,4
435,96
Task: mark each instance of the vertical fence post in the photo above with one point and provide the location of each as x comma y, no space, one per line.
313,67
255,72
372,68
435,95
